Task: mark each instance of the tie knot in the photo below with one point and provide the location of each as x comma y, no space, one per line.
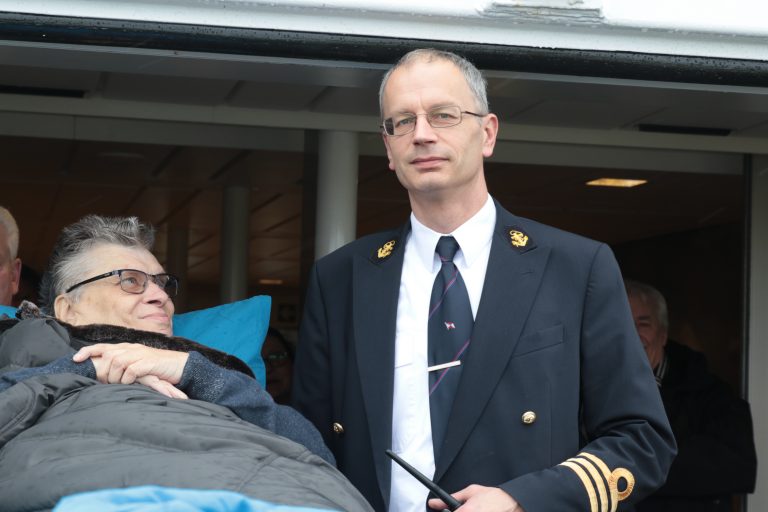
446,248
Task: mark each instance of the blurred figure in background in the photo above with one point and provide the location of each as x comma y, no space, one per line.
10,264
277,353
713,428
29,286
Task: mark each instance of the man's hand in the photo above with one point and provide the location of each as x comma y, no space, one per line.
162,386
477,498
124,363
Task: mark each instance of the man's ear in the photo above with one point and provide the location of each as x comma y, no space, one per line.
490,131
63,310
15,275
389,152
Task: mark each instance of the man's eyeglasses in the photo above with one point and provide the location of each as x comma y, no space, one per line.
440,117
276,359
135,281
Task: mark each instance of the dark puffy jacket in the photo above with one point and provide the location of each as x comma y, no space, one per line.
713,428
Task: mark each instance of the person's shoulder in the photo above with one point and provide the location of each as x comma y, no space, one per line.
543,235
379,245
690,367
679,352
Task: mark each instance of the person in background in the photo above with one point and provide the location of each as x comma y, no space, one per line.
29,286
477,345
10,264
277,354
713,427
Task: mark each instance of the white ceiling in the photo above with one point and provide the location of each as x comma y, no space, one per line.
159,135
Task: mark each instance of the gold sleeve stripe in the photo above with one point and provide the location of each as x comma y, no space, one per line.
585,481
600,484
599,463
596,462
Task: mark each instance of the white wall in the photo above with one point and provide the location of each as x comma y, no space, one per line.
758,330
677,27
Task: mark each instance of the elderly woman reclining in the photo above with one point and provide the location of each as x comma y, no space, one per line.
63,429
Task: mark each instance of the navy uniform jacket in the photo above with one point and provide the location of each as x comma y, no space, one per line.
553,335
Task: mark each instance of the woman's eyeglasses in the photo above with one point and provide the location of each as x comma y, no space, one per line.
276,359
135,281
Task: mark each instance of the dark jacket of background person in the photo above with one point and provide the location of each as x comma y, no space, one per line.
713,428
63,432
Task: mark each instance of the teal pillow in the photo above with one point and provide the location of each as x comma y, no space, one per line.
238,328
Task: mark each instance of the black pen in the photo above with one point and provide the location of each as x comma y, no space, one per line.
449,500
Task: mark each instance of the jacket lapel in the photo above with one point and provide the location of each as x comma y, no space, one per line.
514,272
376,288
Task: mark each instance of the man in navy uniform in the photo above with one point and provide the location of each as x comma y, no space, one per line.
547,403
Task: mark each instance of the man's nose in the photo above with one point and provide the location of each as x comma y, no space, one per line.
423,131
155,292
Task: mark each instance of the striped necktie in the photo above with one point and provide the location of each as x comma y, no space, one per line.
450,329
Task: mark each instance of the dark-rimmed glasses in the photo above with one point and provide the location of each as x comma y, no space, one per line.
439,117
277,359
135,281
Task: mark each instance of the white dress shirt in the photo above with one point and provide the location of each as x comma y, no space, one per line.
411,428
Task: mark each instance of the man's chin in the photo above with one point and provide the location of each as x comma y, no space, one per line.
160,327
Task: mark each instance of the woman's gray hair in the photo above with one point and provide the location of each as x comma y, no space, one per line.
69,260
475,79
11,231
650,295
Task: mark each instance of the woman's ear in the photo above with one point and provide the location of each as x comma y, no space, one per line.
63,310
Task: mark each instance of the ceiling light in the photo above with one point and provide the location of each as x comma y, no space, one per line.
121,155
616,182
271,281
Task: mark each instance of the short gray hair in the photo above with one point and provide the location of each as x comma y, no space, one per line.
475,79
68,261
650,295
11,231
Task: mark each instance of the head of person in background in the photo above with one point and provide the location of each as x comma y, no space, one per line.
101,271
10,264
29,286
649,310
278,360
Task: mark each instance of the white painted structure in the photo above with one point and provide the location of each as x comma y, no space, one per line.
683,27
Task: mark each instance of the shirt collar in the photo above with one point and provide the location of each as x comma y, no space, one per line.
473,236
661,370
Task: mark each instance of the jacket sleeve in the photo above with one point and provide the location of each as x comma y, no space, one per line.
312,372
57,367
628,444
203,380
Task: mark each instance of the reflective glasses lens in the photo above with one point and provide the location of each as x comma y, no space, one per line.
169,283
133,281
276,360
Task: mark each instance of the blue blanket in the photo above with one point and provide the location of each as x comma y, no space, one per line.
152,498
